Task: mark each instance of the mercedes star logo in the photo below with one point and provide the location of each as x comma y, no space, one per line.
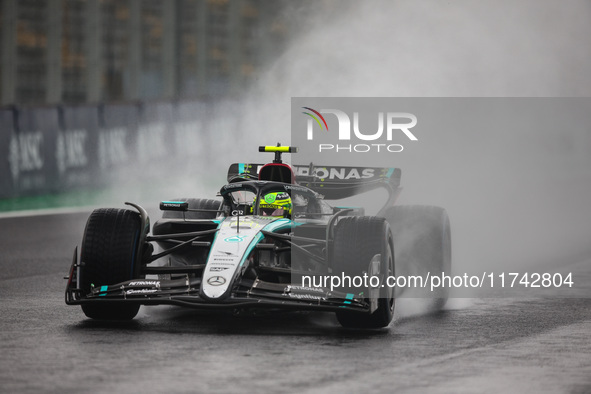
216,280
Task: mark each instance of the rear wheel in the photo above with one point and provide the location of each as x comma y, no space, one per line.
109,252
357,241
195,203
422,244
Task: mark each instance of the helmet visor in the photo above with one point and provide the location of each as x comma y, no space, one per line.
272,211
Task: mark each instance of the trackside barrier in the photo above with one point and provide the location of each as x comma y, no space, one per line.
32,155
155,135
77,147
117,142
6,132
59,148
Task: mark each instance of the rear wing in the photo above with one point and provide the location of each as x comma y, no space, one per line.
333,182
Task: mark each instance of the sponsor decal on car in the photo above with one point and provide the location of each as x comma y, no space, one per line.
227,253
303,292
218,269
345,173
155,283
290,288
142,291
235,238
233,186
216,280
305,296
296,189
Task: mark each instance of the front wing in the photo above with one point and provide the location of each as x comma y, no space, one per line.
246,294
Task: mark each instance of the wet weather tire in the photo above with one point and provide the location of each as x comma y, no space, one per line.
109,255
356,241
422,244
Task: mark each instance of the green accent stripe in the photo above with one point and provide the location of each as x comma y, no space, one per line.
278,224
257,238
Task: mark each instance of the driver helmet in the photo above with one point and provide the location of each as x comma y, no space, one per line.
275,204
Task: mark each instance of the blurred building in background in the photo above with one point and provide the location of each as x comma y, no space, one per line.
98,51
95,93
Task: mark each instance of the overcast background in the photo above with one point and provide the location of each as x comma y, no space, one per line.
517,195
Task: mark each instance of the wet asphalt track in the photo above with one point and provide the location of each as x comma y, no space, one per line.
487,345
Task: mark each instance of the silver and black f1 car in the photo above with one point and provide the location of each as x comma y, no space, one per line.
272,241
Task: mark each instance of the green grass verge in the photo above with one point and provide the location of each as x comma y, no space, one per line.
72,199
112,195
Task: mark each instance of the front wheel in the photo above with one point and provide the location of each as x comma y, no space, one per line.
109,255
359,243
422,241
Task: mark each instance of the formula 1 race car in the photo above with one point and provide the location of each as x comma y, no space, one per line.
272,241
